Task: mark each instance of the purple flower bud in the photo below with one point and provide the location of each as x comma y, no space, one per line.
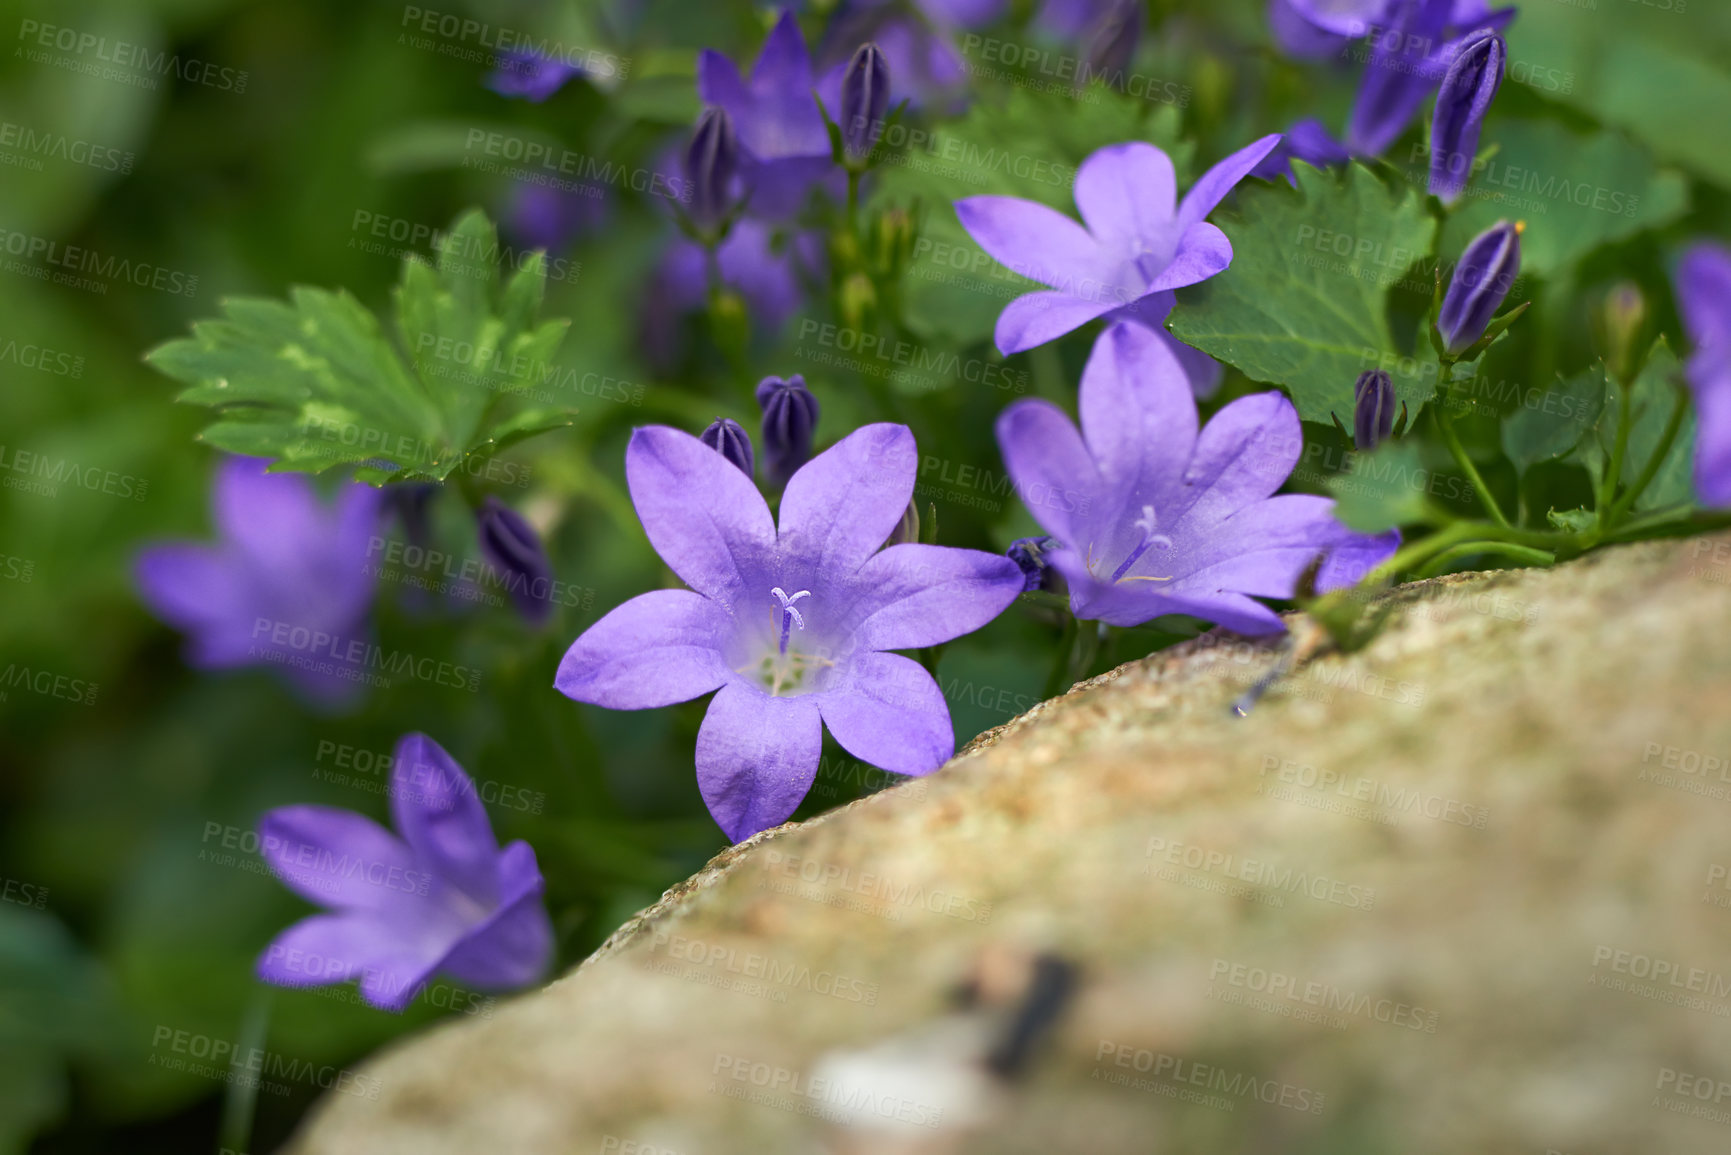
1468,88
865,96
1029,553
1112,42
1373,410
513,550
790,415
1482,279
710,161
530,76
729,438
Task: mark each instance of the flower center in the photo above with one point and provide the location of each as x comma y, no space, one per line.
790,617
785,671
1148,524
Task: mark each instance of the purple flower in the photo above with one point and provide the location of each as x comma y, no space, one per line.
288,582
547,218
865,97
924,68
442,897
1412,46
1461,104
729,438
789,623
1482,279
790,413
1154,516
1372,410
1308,141
531,77
710,161
1029,554
1072,19
1704,300
1137,244
784,144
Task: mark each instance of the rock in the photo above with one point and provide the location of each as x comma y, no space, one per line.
1465,890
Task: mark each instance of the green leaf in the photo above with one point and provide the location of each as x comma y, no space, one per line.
1575,192
315,382
1573,520
1305,302
1019,146
1549,424
1383,490
1656,70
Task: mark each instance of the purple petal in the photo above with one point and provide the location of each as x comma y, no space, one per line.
756,757
190,586
337,858
923,595
702,515
840,507
1202,252
962,13
1133,603
333,948
1055,475
1134,397
1035,318
1208,192
1298,36
436,808
514,946
1125,193
1243,455
719,83
1709,375
1036,242
658,648
270,516
1704,294
1262,549
889,713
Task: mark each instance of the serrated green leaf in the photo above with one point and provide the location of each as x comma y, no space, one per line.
1305,302
1556,420
1576,192
315,382
1383,490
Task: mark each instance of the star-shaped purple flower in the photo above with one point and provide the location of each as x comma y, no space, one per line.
780,126
1154,516
1136,244
790,623
1704,300
437,896
287,579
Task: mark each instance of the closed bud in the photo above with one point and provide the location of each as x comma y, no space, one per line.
513,552
790,414
1029,553
1465,97
1112,44
908,528
865,97
710,161
859,301
729,438
1482,280
1372,410
895,239
1622,322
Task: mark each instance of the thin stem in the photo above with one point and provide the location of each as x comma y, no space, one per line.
1446,426
1055,683
1651,470
853,201
1614,473
1522,553
240,1099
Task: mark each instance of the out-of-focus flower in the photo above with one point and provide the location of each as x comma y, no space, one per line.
541,217
1412,43
1373,409
790,624
865,97
1481,281
530,76
1704,300
710,162
790,413
519,562
1155,516
287,584
438,896
1308,141
1029,554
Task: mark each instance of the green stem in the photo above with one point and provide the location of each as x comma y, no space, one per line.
1621,509
853,201
1522,553
240,1099
1614,473
1446,426
1055,683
